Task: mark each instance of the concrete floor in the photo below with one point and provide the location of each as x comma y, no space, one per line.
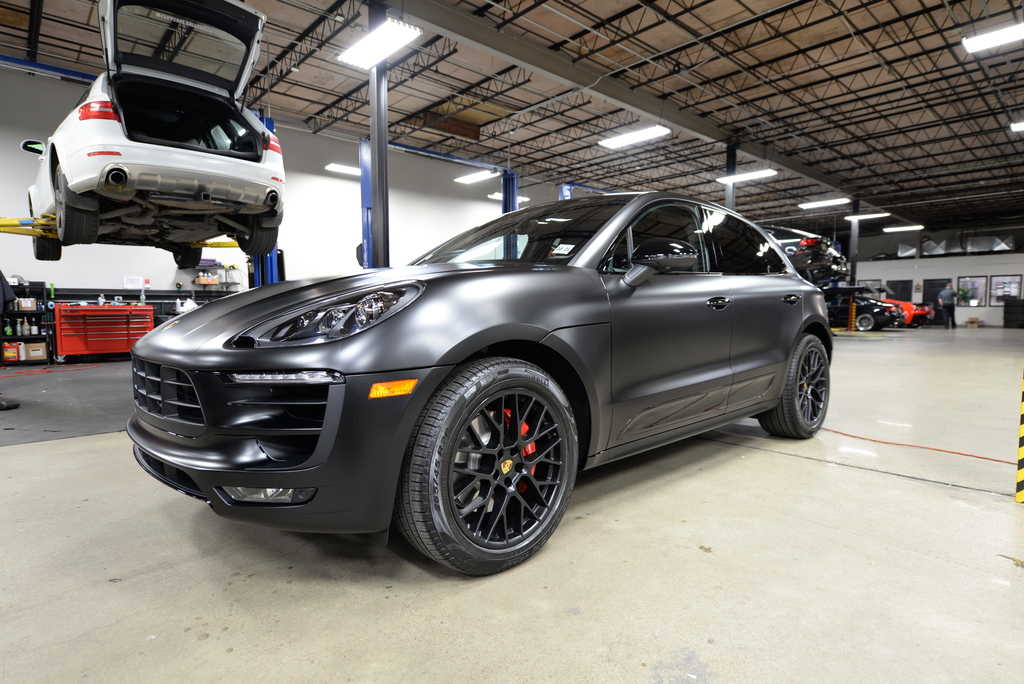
731,557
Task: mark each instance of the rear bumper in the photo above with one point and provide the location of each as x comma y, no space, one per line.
353,461
179,173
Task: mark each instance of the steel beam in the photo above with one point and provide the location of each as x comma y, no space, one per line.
35,26
446,20
380,254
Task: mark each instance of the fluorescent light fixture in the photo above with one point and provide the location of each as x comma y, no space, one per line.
994,38
901,229
341,168
825,203
634,137
497,196
476,177
1017,127
379,44
861,217
739,178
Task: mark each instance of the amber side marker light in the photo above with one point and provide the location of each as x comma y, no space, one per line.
394,388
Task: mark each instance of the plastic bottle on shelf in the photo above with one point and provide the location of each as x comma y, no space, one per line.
17,327
7,329
101,300
35,328
22,353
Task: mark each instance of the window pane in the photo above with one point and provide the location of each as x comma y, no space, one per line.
739,249
145,33
680,223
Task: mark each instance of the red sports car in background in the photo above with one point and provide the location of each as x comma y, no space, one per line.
914,315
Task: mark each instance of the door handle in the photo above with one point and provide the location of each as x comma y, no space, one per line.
719,303
792,298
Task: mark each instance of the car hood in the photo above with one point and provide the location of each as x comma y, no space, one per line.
460,303
210,44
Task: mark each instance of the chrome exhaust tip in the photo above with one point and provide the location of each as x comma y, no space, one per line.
116,177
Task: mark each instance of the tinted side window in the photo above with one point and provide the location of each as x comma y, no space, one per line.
674,221
739,249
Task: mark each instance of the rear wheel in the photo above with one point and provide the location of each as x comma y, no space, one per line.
187,256
74,226
46,249
804,403
865,322
490,467
262,238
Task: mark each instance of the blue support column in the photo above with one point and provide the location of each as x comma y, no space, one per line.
366,199
509,192
264,269
565,191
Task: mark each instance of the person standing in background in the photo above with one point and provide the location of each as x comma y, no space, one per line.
947,299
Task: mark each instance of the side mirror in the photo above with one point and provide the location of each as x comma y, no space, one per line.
659,255
33,146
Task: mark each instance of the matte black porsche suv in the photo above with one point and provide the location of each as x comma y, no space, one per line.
461,395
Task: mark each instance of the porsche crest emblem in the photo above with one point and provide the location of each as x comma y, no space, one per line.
506,466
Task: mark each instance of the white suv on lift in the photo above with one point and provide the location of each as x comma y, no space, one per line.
159,152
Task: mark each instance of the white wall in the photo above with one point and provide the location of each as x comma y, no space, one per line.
949,268
322,214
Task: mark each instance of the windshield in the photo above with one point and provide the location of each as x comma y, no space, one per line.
549,234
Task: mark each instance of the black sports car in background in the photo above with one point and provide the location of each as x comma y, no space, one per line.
460,396
869,314
815,257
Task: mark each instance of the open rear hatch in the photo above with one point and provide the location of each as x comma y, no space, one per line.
212,44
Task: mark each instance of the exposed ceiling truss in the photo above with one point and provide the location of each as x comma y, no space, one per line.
874,99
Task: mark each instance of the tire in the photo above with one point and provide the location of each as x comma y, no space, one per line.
261,241
46,249
187,256
486,510
74,226
804,403
864,322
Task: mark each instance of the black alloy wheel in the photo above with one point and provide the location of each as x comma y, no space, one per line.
74,226
804,403
495,453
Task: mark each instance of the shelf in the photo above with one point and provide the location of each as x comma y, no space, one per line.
15,314
11,338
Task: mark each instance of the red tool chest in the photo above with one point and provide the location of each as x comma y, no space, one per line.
100,329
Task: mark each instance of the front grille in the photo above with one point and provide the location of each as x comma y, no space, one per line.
166,392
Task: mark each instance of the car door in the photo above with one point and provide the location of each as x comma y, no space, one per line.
670,348
767,306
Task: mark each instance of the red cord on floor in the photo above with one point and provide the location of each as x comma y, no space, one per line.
25,372
917,446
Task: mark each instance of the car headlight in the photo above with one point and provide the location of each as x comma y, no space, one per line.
332,319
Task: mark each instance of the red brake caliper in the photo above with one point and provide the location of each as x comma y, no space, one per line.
528,450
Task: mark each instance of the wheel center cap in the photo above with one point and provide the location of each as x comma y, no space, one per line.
506,466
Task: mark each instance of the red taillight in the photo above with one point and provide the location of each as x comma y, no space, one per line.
98,110
809,242
273,144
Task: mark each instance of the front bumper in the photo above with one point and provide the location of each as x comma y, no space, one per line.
348,447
